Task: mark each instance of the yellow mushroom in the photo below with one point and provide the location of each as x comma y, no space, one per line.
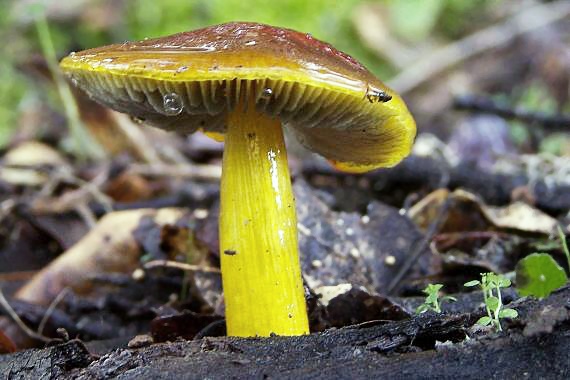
246,80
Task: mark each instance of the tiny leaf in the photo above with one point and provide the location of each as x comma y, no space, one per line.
484,321
435,287
492,303
431,298
422,309
504,282
508,313
472,283
538,275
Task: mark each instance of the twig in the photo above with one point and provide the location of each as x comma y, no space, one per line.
489,106
445,241
137,139
12,314
181,266
69,201
201,172
492,37
88,216
17,276
51,308
372,30
419,248
6,207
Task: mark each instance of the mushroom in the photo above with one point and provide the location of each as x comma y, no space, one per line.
246,80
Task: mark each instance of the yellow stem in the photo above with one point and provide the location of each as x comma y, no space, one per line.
261,274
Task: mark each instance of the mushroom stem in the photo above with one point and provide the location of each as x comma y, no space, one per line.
261,274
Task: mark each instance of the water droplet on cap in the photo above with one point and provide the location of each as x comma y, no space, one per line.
172,104
267,92
250,43
181,69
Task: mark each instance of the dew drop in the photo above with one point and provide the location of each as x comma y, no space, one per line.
250,43
172,104
72,54
266,93
107,60
181,69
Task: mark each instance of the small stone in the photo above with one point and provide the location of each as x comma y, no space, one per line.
138,274
354,252
139,341
390,260
200,213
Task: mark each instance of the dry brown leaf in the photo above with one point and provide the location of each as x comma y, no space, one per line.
110,247
6,344
465,207
520,216
21,165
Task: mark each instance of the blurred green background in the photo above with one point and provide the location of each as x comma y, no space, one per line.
79,24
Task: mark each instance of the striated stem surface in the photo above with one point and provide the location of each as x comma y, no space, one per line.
261,273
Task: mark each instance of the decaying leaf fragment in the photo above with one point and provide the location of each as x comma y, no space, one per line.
22,164
110,247
516,216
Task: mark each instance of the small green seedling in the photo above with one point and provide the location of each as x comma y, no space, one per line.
564,245
539,275
433,300
491,285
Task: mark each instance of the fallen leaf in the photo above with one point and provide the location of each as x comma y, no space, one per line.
6,344
22,164
347,304
110,247
468,212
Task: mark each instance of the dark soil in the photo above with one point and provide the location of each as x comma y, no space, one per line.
426,346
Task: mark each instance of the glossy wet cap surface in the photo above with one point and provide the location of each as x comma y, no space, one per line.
191,80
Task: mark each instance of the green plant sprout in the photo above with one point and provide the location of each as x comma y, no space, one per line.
564,245
433,300
84,145
491,285
538,274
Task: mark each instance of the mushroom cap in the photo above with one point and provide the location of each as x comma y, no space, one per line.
189,81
